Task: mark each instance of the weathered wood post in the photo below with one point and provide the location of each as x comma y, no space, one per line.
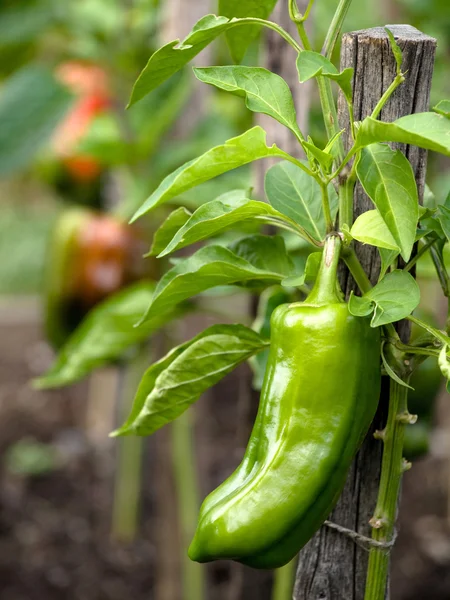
331,566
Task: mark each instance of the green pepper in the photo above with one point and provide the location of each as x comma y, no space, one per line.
319,396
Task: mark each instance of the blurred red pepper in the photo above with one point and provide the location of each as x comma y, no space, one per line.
90,84
90,257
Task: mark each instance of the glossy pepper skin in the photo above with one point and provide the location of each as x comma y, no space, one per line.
318,399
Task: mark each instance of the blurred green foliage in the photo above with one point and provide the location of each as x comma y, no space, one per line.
133,147
23,240
29,457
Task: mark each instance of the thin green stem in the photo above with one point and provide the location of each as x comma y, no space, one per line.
330,113
299,164
346,190
441,271
295,15
351,117
350,154
421,351
356,269
270,25
299,19
335,27
324,84
387,94
292,228
436,333
392,468
127,485
284,581
188,502
423,248
326,207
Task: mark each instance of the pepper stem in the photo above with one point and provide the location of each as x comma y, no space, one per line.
325,290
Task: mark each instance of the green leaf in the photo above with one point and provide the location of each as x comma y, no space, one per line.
236,152
297,195
323,158
427,130
310,273
104,335
387,259
152,117
217,216
22,24
312,64
444,219
240,38
175,55
429,198
360,306
168,229
390,371
388,179
370,228
443,108
329,148
32,104
396,50
264,92
394,297
212,266
175,382
265,252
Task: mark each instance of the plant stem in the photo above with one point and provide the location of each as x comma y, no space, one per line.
293,229
270,25
330,113
335,27
284,581
419,350
299,19
188,502
423,248
387,94
324,84
346,190
441,271
392,468
326,207
436,333
356,269
127,486
299,164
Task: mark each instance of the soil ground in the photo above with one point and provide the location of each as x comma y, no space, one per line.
55,515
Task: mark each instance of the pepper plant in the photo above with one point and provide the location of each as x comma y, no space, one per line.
309,201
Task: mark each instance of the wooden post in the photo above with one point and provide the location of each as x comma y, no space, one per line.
331,566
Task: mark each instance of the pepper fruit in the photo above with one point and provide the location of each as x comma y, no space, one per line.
90,256
319,396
